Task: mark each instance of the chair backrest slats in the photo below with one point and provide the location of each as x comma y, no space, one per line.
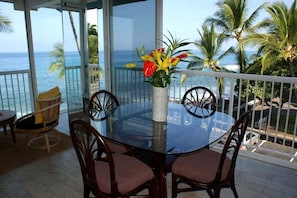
199,101
102,104
50,109
90,147
233,143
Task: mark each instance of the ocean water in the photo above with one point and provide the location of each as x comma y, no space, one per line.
123,57
20,61
46,80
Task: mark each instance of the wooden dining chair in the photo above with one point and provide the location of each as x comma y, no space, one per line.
102,104
199,101
210,170
107,174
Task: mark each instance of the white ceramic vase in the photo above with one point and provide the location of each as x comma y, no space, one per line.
160,104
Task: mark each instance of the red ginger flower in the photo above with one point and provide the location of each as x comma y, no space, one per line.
149,68
175,61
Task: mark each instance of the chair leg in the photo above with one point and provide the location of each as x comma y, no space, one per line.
209,192
234,192
174,186
233,188
27,141
152,191
4,128
86,191
47,143
217,192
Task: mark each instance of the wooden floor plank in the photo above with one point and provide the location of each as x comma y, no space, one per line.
59,176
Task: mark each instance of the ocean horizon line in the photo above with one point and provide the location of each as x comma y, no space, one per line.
102,51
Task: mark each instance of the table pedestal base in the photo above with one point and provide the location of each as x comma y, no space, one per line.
161,165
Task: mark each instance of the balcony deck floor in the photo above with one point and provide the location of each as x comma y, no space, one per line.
58,176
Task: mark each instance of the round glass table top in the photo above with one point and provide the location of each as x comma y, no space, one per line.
132,125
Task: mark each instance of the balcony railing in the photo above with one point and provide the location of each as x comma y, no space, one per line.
15,91
74,86
271,99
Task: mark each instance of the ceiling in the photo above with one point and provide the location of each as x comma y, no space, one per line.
67,4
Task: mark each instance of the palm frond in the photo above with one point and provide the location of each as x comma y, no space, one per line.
5,24
174,44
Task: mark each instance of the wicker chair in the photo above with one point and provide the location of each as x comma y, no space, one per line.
210,170
106,173
199,101
38,124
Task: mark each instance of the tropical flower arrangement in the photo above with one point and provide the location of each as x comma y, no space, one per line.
159,64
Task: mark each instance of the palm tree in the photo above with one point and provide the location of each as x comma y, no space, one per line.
58,65
93,44
210,47
74,31
280,41
58,51
232,19
5,24
92,30
279,44
96,74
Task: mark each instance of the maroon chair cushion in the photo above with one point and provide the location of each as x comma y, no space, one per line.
200,166
130,173
115,148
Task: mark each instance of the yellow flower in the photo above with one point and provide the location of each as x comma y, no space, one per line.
130,65
157,55
164,65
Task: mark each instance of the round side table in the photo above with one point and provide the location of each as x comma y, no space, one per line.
7,117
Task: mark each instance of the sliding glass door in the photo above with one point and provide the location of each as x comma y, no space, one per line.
132,25
47,40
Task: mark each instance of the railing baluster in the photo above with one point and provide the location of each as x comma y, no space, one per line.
26,89
2,103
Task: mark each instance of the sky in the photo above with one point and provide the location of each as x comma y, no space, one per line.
180,19
185,24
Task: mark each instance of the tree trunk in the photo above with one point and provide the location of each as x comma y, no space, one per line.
241,58
74,31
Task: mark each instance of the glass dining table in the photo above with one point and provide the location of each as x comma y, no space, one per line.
159,143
